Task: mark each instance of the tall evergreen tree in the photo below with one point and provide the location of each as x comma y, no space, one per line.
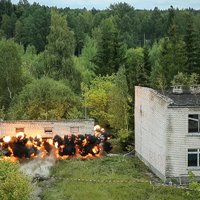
191,46
36,27
110,52
60,50
18,31
10,71
6,8
147,64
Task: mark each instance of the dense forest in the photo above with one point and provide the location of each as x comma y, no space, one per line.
78,63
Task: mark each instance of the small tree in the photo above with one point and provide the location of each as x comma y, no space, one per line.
194,79
185,80
98,97
119,107
180,79
45,99
14,184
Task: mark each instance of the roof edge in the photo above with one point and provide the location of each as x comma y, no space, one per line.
163,97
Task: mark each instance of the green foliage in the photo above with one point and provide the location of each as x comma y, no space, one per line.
123,134
136,73
117,168
10,71
194,79
18,31
81,23
59,51
107,100
180,79
185,80
194,187
116,146
110,52
84,62
127,22
192,46
13,184
118,106
30,61
97,98
147,64
35,27
76,45
170,61
45,99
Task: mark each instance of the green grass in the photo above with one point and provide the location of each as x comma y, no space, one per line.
104,169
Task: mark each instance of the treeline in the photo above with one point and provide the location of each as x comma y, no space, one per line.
75,63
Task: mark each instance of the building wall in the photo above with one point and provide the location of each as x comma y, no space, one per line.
179,141
151,115
33,128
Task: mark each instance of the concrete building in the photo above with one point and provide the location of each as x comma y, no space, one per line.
47,128
167,132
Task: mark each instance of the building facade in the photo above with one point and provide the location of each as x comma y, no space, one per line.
47,128
167,132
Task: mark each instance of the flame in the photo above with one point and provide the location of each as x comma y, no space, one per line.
70,146
97,128
96,150
56,145
50,141
84,142
7,139
39,137
20,135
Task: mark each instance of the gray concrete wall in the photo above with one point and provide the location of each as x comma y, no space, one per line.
151,114
33,128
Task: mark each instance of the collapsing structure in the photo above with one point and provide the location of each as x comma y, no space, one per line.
167,132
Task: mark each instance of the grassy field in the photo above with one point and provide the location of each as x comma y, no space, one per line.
108,178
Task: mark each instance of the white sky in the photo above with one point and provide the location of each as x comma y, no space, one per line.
102,4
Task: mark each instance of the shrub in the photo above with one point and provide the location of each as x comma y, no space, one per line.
13,183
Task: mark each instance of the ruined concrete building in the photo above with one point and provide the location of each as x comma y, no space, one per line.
167,132
47,128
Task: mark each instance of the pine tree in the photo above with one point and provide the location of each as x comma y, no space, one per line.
110,52
191,47
147,64
59,51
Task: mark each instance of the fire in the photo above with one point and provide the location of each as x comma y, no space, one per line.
7,139
20,135
69,146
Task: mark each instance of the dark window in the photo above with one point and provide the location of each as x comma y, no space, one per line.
48,131
194,123
193,157
19,130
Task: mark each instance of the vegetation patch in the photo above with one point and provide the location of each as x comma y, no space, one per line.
109,178
13,183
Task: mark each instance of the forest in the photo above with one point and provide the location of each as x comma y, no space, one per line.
77,63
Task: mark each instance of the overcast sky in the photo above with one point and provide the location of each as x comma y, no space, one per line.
102,4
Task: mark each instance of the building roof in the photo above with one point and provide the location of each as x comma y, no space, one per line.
184,99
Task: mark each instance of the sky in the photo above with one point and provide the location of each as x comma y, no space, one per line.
102,4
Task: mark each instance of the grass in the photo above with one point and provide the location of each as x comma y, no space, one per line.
104,169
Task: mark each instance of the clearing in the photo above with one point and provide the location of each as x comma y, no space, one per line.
107,178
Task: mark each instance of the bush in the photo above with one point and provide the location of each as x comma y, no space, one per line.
13,183
116,146
126,139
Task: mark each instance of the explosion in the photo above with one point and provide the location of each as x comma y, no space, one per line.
69,146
